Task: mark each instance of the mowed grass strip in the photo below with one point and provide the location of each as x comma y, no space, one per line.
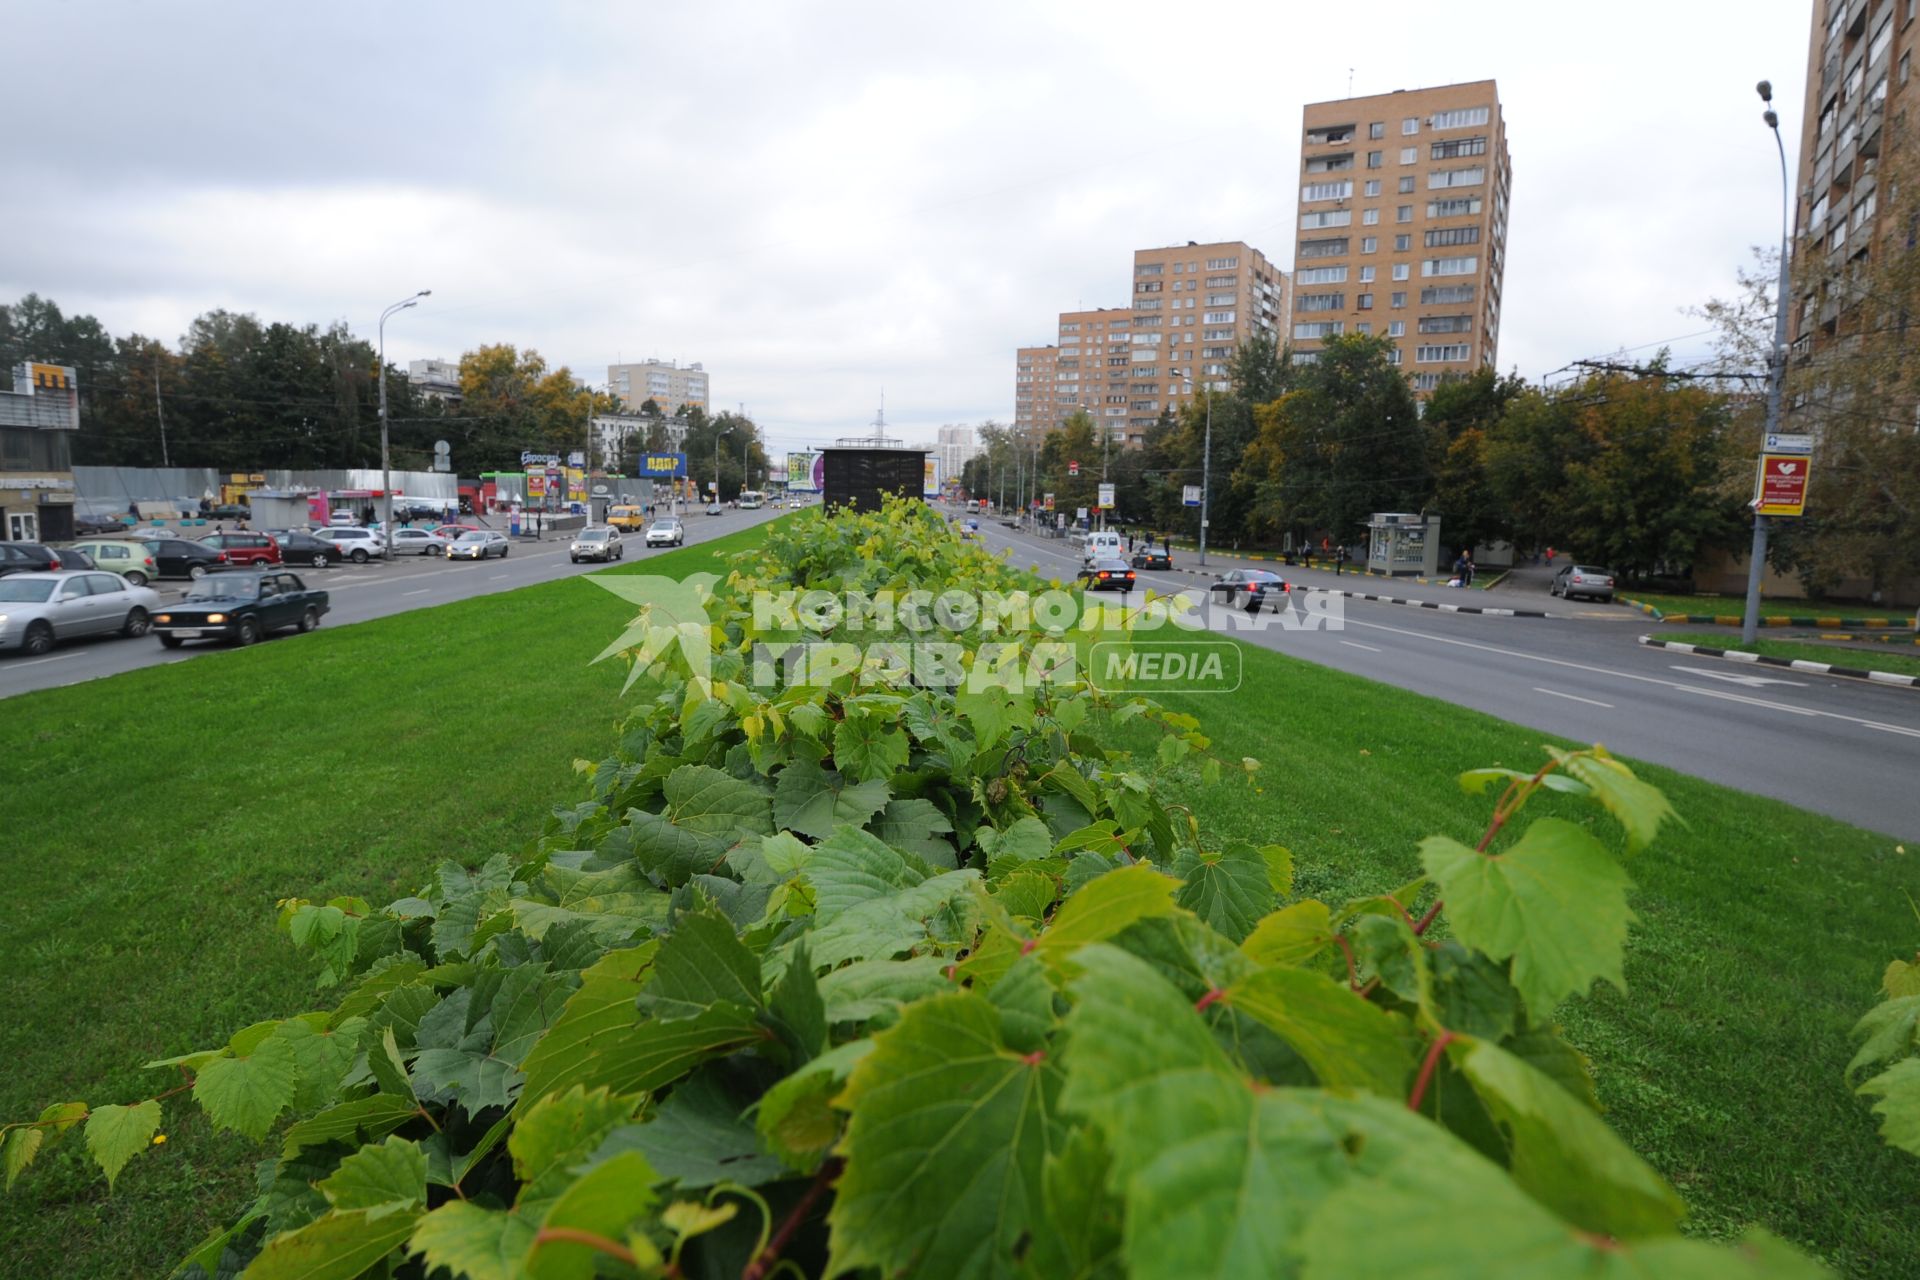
1736,606
1878,658
1763,932
152,819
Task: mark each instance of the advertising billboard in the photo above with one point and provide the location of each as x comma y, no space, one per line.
801,474
930,484
1783,485
663,466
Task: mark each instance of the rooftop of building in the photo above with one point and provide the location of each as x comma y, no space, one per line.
1399,93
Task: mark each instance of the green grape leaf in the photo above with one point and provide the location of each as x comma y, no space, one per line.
1902,978
918,827
1080,1237
1292,935
1554,901
1898,1088
815,801
321,1057
374,1116
1566,1066
1471,994
1230,889
335,1246
940,1092
991,712
852,866
1027,893
1451,1210
604,1201
715,803
472,1242
1097,837
559,1132
1024,841
1638,806
380,1179
796,1119
248,1093
1888,1030
116,1135
1387,947
797,1006
599,1025
867,989
934,722
1104,906
1562,1153
701,963
388,1067
26,1142
1476,781
1349,1042
866,747
698,1137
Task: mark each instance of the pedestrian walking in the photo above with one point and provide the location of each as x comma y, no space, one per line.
1339,559
1550,557
1166,544
1460,568
1467,578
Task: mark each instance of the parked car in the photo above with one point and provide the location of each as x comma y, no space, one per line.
89,526
357,545
297,546
245,548
1586,580
479,545
666,532
632,519
179,558
38,610
227,511
1108,573
597,544
342,520
130,559
420,542
74,558
1251,589
28,557
242,606
1152,558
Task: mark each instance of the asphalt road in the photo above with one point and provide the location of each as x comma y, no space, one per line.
1826,743
356,593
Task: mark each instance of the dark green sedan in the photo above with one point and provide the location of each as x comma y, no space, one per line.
240,607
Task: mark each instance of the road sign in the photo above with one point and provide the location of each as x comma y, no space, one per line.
1049,502
1190,495
1073,468
1780,443
1106,497
1783,485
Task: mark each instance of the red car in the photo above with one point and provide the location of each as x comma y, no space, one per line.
244,548
452,532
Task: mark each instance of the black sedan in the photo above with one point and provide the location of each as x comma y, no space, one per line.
241,606
29,557
178,558
1148,558
1108,573
299,547
1250,589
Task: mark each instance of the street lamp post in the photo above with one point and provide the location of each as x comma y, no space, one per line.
1206,463
386,457
1776,376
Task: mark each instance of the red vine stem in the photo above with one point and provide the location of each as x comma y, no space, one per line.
574,1235
769,1256
1346,949
1434,1051
1510,801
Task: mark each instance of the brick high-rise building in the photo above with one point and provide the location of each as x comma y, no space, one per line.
668,383
1033,400
1193,305
1090,374
1859,63
1403,225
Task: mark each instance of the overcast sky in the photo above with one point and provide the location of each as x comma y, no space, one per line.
819,201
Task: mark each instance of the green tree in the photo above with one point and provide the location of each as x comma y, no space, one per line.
1459,414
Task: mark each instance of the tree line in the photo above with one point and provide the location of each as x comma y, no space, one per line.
237,393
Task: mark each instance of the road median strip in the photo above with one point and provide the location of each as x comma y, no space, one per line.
1767,620
1793,664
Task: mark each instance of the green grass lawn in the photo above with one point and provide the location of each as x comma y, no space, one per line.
353,760
1878,658
152,819
1735,606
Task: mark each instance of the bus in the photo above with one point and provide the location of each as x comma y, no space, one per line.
751,499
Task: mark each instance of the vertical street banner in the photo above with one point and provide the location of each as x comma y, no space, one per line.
930,479
800,473
1782,489
1106,497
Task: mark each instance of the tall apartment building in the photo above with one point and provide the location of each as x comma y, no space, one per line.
1193,304
1403,226
667,383
1033,401
1859,63
956,446
436,379
1090,372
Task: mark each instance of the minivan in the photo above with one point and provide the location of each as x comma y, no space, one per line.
1101,544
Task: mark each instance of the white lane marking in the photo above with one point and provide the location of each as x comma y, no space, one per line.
58,657
422,591
1355,644
1741,678
1570,697
1634,676
496,577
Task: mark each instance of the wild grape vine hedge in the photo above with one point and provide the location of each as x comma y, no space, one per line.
1890,1040
889,979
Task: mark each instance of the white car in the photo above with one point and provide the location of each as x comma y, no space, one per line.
666,532
343,519
39,609
479,545
601,543
357,545
419,542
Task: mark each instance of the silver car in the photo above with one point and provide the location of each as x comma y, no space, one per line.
666,532
1591,581
479,545
37,610
597,544
419,542
357,545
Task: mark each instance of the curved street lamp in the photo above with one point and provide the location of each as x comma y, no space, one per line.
1206,463
1776,377
386,458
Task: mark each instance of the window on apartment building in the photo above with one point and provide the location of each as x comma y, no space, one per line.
1409,155
1406,185
1397,328
1441,353
1378,129
1881,40
1456,208
1373,159
1370,218
1305,302
1218,299
1320,275
1318,330
1219,317
1410,126
1445,293
1330,164
1323,248
1403,213
1402,243
1219,282
1458,147
1222,264
1215,335
1327,191
1906,60
1149,269
1366,275
1369,244
1400,271
1460,118
1456,177
1373,187
1399,300
1363,327
1444,237
1365,301
1147,304
1326,218
1446,324
1450,266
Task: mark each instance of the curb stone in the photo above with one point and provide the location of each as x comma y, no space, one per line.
1770,620
1792,664
1487,610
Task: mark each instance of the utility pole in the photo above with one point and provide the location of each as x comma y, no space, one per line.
1777,373
386,459
161,411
